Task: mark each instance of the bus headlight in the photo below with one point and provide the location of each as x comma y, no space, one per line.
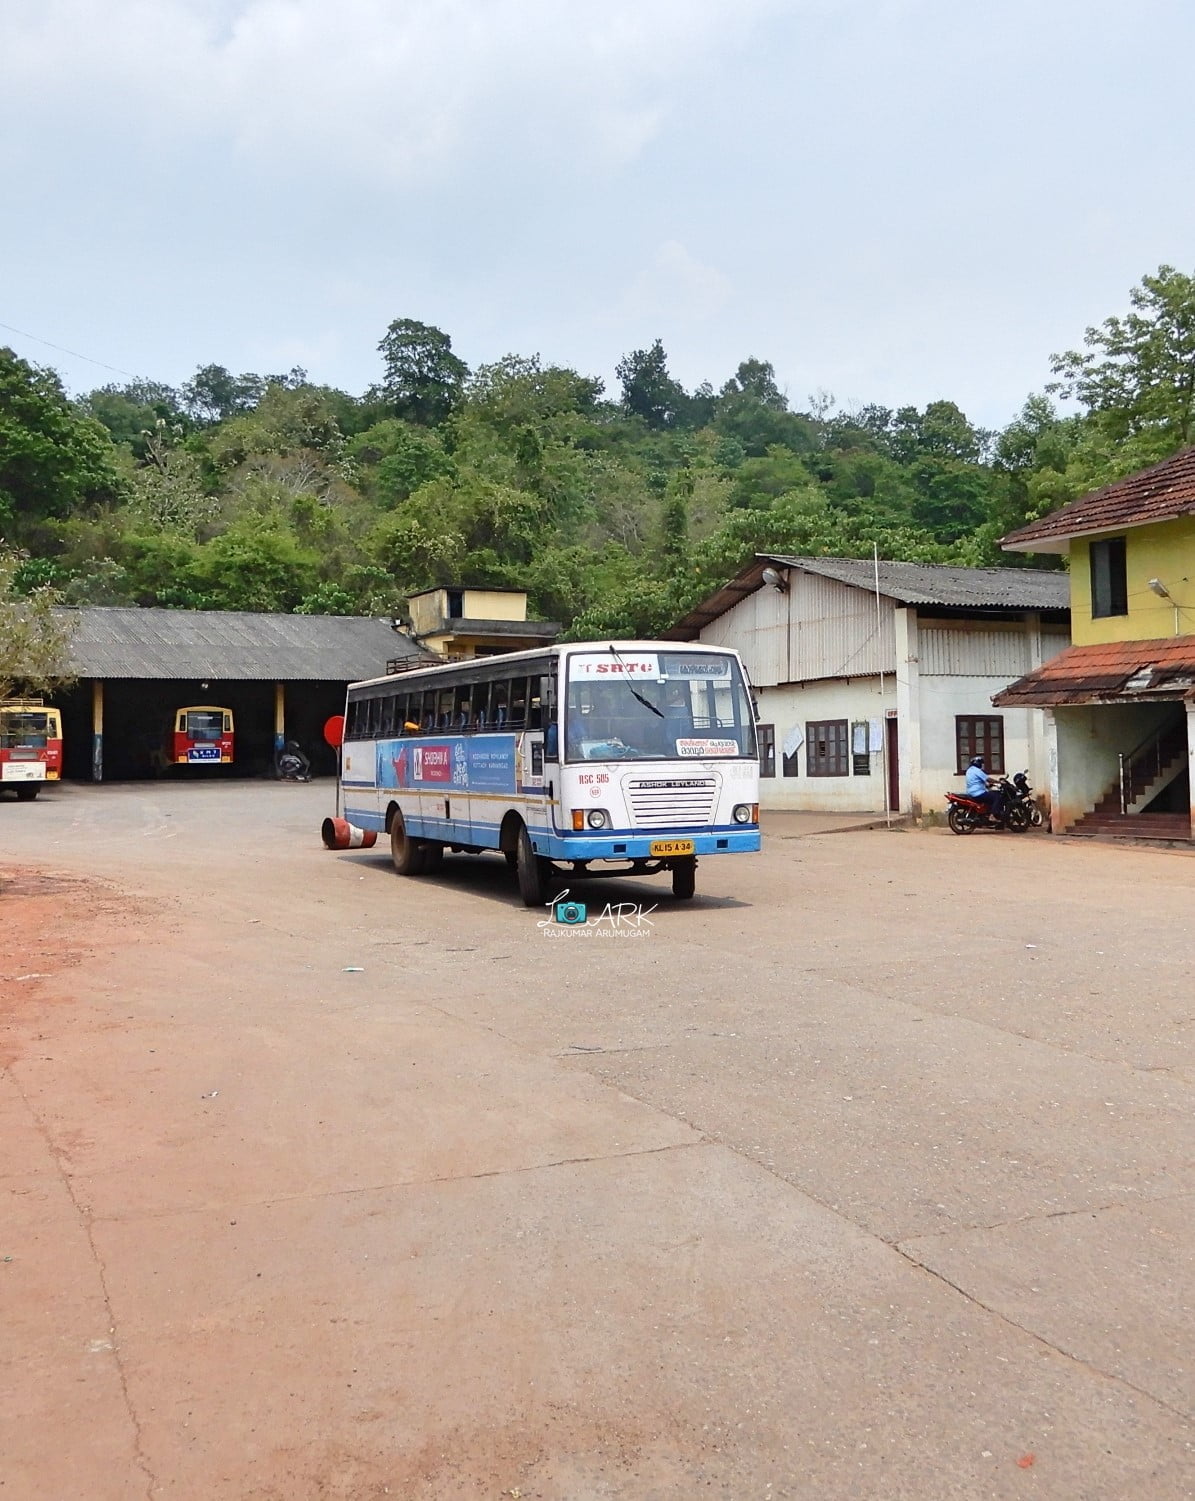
597,818
745,813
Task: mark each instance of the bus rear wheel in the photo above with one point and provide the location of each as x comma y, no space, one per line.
406,853
684,879
27,794
532,871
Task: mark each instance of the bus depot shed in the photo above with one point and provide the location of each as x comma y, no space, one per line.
283,677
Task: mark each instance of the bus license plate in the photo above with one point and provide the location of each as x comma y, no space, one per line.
204,753
672,847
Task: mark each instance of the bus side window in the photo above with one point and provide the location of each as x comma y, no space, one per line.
518,704
481,705
498,705
535,703
228,724
182,723
462,709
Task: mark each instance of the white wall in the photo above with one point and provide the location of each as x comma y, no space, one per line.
942,698
819,628
1089,740
850,699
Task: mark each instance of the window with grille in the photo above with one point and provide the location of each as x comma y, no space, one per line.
827,749
766,734
980,736
1109,582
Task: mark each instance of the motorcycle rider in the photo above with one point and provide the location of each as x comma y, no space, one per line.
980,789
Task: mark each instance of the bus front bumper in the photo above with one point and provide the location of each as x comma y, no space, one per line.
623,846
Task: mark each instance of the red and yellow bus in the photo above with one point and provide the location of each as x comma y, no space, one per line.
201,735
30,746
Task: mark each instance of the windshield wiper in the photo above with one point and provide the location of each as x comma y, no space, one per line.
646,702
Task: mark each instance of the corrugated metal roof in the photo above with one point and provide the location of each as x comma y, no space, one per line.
906,583
232,645
1160,493
1085,674
936,584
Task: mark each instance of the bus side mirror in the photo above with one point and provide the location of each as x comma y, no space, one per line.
552,743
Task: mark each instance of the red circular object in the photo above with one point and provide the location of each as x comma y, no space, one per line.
334,731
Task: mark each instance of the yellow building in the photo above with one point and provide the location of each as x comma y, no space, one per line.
1120,720
459,623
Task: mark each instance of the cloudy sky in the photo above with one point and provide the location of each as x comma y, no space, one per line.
891,200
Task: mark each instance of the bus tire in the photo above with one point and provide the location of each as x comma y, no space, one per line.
405,852
684,879
433,856
532,871
27,794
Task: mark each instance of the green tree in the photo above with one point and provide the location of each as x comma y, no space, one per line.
131,411
167,492
53,458
34,637
648,391
1137,378
422,378
214,393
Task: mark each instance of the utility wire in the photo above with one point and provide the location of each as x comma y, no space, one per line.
74,353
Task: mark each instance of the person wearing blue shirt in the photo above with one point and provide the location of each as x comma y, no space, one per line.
979,786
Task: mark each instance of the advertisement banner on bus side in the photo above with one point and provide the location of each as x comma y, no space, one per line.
482,764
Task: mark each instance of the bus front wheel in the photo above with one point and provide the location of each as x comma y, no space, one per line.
532,871
405,852
684,879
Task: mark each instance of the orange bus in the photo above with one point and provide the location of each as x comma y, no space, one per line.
30,746
201,735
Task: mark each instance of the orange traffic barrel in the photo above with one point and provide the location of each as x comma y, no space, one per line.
339,834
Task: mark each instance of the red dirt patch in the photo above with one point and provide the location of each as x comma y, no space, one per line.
49,923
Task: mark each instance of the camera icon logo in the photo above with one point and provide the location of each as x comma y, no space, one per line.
571,914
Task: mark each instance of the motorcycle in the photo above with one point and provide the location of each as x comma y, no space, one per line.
966,814
1024,795
293,765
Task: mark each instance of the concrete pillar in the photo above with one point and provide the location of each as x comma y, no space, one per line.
1037,723
97,729
908,710
1191,758
1050,736
279,717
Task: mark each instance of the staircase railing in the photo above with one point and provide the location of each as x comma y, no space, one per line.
1151,757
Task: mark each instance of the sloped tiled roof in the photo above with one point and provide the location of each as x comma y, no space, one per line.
232,645
907,583
1161,493
1082,674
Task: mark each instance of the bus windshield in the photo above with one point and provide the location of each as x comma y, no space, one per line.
656,705
205,724
22,728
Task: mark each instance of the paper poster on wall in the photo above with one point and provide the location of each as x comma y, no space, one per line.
875,740
859,737
793,741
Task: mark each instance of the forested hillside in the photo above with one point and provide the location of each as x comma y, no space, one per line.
616,510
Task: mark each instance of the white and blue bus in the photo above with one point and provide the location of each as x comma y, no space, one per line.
594,758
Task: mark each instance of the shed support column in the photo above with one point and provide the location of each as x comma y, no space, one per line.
1191,758
908,709
1050,736
279,717
1037,727
97,729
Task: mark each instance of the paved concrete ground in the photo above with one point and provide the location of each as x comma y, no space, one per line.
869,1173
